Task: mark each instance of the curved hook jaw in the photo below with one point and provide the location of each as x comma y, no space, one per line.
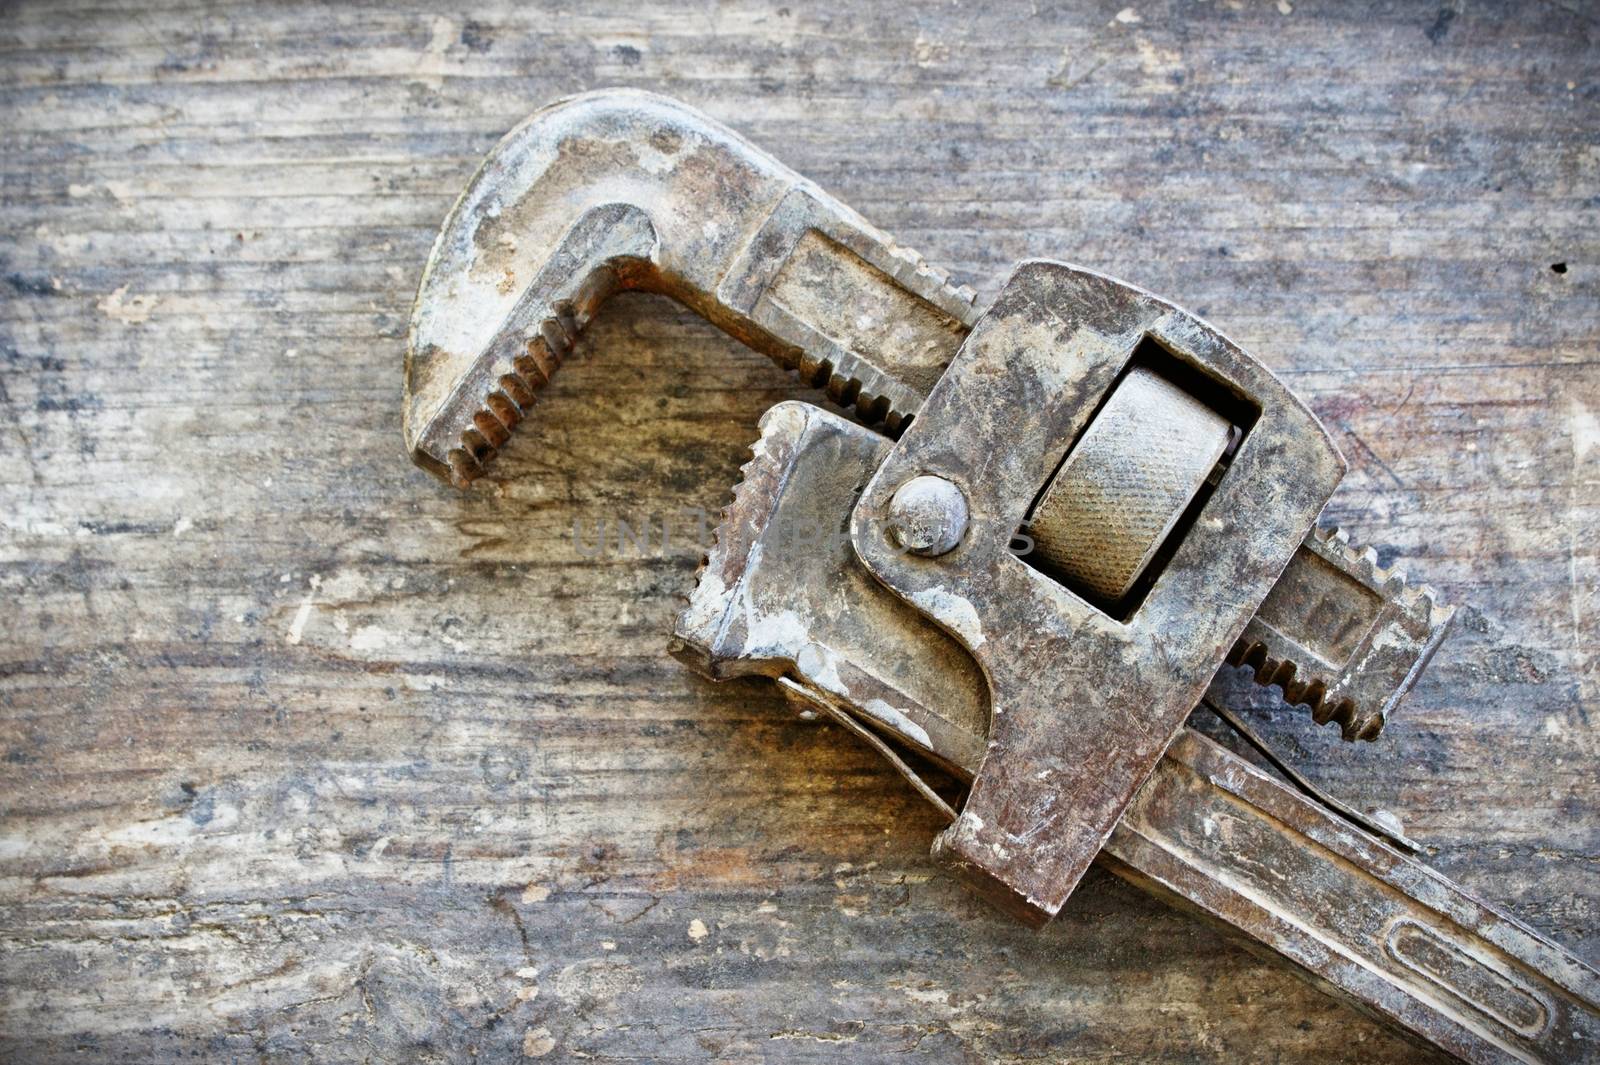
621,189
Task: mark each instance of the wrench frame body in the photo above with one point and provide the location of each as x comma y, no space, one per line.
1208,831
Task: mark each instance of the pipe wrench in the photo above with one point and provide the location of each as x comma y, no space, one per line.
1050,522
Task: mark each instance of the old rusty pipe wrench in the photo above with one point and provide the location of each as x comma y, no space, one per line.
619,190
629,191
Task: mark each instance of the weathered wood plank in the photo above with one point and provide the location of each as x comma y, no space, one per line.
307,755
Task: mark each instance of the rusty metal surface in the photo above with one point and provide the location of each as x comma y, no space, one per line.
1208,831
771,572
1083,702
1343,635
621,189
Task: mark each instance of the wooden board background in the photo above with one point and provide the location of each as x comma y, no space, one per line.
308,756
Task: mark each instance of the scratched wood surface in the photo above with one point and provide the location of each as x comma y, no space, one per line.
307,756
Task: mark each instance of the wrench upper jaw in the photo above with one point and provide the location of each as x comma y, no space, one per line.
597,193
619,189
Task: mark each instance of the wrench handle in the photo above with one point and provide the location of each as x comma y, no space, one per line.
1214,835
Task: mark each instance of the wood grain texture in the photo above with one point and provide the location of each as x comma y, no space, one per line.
308,756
